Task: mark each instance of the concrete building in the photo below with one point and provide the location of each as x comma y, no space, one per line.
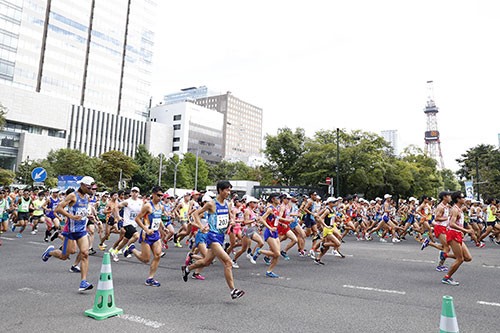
392,137
81,77
196,129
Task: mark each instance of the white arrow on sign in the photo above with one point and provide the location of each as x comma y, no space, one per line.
39,175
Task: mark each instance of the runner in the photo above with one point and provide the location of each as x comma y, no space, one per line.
331,235
37,212
52,220
454,237
74,230
284,228
149,220
218,222
23,212
250,231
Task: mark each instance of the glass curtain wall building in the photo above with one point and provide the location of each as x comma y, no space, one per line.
96,54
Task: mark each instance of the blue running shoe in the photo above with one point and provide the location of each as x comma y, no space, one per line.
128,250
425,243
46,254
152,282
285,255
267,261
13,228
256,255
272,275
19,235
84,286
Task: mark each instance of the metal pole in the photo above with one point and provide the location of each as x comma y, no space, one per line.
477,176
175,177
338,161
196,172
159,172
120,181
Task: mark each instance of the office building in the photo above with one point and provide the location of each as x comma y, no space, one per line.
392,137
75,57
196,129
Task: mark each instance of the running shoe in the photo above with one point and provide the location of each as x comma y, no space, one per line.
102,247
54,235
152,283
425,243
178,244
249,255
19,235
267,260
187,261
252,260
284,255
128,250
235,265
114,254
395,240
13,227
480,245
84,285
340,254
46,239
272,275
450,281
163,254
236,293
92,251
318,262
368,237
312,254
46,255
256,255
74,269
191,243
197,276
441,268
382,240
33,232
185,274
497,242
226,246
302,253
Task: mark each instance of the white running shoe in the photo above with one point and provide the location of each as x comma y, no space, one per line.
395,240
382,240
235,265
312,254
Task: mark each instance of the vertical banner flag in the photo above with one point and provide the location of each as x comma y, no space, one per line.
469,189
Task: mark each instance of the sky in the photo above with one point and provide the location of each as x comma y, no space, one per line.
357,64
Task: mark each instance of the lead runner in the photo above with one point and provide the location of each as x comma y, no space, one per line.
218,222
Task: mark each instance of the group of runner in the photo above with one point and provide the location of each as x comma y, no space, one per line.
224,227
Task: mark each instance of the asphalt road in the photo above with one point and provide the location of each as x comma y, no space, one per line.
377,288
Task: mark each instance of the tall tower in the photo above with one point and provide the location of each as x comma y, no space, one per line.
432,141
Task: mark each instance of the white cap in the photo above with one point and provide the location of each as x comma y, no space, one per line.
372,202
54,190
87,180
377,199
252,199
135,188
331,199
387,196
412,199
209,195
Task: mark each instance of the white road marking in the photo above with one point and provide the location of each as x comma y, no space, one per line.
37,243
490,266
375,289
488,303
418,260
347,255
7,238
140,320
32,291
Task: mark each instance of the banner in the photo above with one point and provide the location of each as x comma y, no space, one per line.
469,190
65,182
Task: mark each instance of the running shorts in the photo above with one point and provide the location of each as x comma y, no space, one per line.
213,237
23,216
268,233
130,230
283,229
309,221
149,239
454,235
200,238
439,229
249,231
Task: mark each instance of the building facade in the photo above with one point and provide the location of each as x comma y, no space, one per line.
76,50
392,137
196,129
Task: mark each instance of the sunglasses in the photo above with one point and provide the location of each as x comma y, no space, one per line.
159,194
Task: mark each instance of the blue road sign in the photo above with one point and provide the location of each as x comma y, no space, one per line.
39,174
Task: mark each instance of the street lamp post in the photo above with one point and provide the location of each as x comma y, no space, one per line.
176,165
338,161
196,171
159,172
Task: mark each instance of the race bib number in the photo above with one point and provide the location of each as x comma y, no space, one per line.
1,212
25,206
133,215
222,221
155,224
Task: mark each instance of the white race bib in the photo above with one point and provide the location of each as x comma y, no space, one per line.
155,224
222,221
25,206
133,215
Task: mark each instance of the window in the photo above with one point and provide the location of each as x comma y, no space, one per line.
177,117
177,139
175,148
177,127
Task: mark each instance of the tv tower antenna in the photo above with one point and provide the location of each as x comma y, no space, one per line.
432,140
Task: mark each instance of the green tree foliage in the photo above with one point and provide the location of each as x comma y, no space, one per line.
146,175
23,173
3,113
72,162
283,151
188,172
229,170
111,163
450,181
7,177
487,159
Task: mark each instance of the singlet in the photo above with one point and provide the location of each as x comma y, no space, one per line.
490,217
155,217
252,217
328,218
3,207
24,206
38,211
52,204
183,211
272,219
131,211
100,209
446,213
219,221
460,221
80,208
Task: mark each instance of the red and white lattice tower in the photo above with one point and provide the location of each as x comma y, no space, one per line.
432,140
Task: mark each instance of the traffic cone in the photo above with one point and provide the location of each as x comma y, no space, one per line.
104,303
448,322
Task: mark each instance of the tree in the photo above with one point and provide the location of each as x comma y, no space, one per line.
146,175
23,173
3,113
188,172
7,177
72,162
229,170
482,163
110,165
450,181
283,151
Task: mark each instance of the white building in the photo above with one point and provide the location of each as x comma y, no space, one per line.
392,137
196,129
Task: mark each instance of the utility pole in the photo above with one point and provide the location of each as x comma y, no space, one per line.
196,172
477,177
338,161
159,172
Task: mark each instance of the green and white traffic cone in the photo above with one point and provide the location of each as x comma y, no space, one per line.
448,323
104,303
